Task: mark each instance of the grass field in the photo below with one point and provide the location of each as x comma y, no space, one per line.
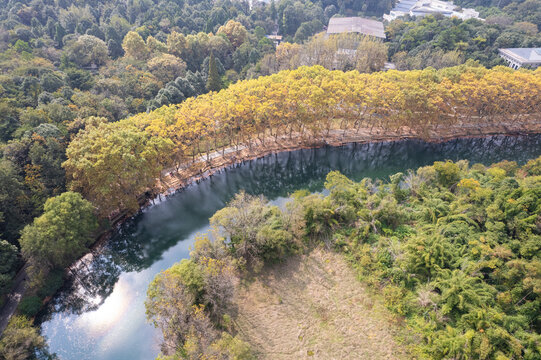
313,307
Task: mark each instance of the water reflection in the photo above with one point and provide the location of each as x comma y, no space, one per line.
100,312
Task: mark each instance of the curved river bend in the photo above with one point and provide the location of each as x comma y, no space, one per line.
100,313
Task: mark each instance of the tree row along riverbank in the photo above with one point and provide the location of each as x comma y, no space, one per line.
112,164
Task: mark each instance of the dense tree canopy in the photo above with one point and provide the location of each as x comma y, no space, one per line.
454,249
61,234
439,41
278,106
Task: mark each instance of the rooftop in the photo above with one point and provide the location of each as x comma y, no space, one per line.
426,7
524,55
357,25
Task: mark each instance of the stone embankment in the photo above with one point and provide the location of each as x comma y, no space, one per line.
207,165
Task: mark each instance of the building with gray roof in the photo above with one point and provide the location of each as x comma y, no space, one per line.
519,57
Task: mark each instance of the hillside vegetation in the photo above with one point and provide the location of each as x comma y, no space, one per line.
75,157
440,41
453,249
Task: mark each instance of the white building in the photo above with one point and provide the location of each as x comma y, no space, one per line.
276,39
338,25
428,7
518,57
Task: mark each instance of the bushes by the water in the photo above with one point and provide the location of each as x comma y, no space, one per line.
463,263
52,283
30,306
21,340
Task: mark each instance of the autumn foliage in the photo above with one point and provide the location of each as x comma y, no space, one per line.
305,104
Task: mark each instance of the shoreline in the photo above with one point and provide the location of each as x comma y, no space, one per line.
174,182
171,184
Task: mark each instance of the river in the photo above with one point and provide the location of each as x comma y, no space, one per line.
100,313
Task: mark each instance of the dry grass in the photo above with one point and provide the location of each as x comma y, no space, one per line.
313,307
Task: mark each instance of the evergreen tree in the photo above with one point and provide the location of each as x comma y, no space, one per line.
214,82
59,35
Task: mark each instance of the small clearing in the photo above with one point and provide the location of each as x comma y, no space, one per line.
313,307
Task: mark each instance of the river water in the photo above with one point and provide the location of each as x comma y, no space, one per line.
100,313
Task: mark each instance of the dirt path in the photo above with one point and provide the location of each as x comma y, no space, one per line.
313,307
19,287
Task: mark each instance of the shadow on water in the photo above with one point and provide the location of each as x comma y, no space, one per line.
154,239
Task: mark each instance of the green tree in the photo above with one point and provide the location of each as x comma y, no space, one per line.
51,82
167,67
273,10
235,32
21,341
177,44
214,81
8,262
255,231
14,202
448,173
40,156
62,233
59,34
171,300
29,306
134,46
533,167
88,50
9,120
79,79
186,301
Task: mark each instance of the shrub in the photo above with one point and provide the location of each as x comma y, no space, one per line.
448,173
30,306
53,282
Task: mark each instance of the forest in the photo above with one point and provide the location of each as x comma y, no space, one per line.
453,249
113,163
100,99
439,42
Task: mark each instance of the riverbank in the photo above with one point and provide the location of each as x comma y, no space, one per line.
208,164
